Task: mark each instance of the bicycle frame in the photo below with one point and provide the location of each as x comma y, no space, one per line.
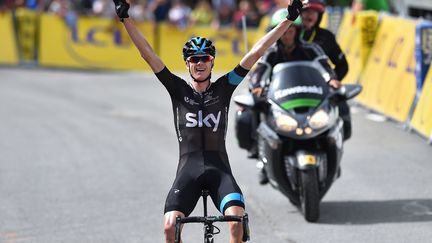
208,223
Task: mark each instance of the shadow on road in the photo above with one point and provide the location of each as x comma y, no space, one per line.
373,212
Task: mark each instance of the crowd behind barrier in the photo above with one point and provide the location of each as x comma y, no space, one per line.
388,55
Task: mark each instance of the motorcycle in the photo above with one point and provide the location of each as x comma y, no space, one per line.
300,134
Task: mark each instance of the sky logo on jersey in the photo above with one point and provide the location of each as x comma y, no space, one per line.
197,120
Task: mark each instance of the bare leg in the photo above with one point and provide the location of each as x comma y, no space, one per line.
236,228
169,225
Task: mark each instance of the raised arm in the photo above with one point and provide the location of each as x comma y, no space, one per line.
271,37
137,37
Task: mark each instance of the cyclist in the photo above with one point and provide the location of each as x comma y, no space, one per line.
200,115
288,48
311,32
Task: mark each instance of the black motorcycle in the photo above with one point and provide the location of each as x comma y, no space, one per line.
299,134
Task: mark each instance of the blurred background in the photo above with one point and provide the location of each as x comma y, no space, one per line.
388,47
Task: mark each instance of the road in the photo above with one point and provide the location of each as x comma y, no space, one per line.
90,156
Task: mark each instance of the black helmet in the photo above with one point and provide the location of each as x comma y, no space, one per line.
317,5
198,46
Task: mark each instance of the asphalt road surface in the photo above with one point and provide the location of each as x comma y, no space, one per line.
90,156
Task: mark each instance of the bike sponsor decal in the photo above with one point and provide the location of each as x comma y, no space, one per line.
197,120
298,90
300,103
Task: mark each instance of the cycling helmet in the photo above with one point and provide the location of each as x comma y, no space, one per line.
198,46
279,16
317,5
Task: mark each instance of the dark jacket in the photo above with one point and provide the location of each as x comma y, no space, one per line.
327,41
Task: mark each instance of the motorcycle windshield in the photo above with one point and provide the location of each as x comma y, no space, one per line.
298,85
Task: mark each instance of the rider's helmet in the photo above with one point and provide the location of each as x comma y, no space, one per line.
198,46
279,16
316,5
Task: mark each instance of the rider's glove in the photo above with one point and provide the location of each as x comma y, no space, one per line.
294,10
121,8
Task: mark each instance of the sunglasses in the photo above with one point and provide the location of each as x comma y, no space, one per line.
196,59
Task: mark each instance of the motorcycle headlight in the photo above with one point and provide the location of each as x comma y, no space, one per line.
285,122
319,120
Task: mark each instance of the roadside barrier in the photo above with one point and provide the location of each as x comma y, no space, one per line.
422,118
423,51
89,43
27,29
389,81
356,40
103,44
8,48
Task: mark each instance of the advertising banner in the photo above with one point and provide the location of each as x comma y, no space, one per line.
371,76
423,51
8,48
357,40
27,30
389,78
90,43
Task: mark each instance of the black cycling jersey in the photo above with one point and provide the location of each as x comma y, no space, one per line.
328,43
201,123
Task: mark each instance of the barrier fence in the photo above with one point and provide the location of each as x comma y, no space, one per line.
8,47
388,55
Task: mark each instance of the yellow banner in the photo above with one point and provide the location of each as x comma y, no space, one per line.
228,41
325,21
27,26
8,48
91,43
422,119
356,40
391,82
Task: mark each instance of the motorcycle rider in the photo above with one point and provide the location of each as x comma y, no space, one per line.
200,113
311,17
288,48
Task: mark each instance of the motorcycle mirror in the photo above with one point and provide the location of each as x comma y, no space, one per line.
351,90
346,92
244,100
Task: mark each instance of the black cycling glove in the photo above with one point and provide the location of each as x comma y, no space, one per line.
121,8
294,10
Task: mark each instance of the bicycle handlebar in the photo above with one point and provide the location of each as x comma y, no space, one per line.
211,219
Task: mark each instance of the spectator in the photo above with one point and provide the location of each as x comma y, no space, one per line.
264,7
159,9
6,5
278,4
60,7
139,10
179,14
202,14
224,12
339,3
83,7
218,4
223,17
250,11
103,8
377,5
